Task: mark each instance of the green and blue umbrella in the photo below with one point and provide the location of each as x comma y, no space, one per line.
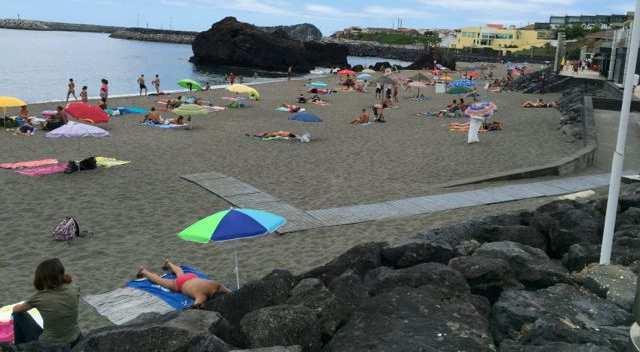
232,224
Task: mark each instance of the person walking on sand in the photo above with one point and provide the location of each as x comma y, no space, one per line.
142,85
71,89
156,84
189,284
84,95
57,299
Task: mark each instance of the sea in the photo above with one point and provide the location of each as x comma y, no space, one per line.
36,66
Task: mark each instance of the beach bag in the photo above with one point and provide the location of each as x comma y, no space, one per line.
88,164
67,230
6,331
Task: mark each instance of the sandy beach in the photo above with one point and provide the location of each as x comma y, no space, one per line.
135,211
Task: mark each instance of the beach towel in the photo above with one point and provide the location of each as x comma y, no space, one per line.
44,170
138,297
283,109
320,103
126,110
105,162
28,164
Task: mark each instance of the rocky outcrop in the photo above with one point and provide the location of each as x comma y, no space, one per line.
155,35
305,32
230,42
372,49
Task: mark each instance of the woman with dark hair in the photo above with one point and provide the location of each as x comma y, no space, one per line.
57,301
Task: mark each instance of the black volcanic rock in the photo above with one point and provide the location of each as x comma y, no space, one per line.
234,43
305,32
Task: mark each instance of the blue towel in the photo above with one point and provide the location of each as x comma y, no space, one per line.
161,125
177,300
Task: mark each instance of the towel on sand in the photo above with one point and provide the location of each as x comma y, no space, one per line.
28,164
283,109
138,297
44,170
102,161
161,125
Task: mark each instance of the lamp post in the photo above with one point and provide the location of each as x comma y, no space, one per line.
618,156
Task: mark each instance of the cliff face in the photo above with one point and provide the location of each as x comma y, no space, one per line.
230,42
305,32
155,35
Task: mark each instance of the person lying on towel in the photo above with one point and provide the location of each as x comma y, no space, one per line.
174,103
292,108
302,99
450,109
272,134
188,284
539,104
153,116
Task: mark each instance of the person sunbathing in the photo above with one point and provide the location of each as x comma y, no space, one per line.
274,134
24,121
174,103
177,121
188,284
450,109
302,99
378,112
153,116
292,108
362,118
539,104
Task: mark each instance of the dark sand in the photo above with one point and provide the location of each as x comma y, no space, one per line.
135,211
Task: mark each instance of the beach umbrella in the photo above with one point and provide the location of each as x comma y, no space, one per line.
9,102
481,109
418,84
305,117
364,77
346,72
368,70
232,225
190,110
87,112
465,83
244,89
318,85
189,84
459,90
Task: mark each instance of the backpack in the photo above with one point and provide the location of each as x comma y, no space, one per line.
67,230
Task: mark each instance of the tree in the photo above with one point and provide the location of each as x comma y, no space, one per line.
574,31
431,39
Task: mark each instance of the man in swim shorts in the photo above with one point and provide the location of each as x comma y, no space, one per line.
188,284
142,84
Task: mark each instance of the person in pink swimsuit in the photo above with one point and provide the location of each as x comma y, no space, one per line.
187,283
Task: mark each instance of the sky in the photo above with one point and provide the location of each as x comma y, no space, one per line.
328,15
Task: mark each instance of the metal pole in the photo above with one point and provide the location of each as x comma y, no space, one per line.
556,61
612,57
237,270
618,155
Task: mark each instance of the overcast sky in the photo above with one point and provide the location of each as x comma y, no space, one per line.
328,15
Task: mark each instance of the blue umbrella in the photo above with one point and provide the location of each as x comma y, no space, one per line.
305,117
232,225
364,77
318,85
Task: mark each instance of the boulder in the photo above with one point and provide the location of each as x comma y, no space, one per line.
531,266
413,319
282,325
561,313
331,311
486,276
613,282
349,290
271,290
273,349
414,252
360,259
428,59
234,43
630,217
304,32
187,331
381,66
466,248
441,277
580,255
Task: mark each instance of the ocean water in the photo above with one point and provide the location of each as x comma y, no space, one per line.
36,66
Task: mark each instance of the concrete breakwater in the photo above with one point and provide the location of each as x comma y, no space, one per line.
155,35
33,25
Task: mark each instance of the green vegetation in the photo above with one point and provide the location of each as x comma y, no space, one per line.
577,31
544,51
428,39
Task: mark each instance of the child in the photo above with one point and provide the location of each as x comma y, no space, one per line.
84,96
71,89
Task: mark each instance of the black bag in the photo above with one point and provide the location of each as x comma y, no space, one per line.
88,164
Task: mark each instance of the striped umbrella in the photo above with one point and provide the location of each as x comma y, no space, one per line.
481,109
232,225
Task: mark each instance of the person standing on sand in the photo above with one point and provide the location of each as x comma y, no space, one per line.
156,84
71,89
232,78
289,73
188,284
84,95
104,89
142,85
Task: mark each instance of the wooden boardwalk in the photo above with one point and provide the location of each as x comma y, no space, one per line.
244,195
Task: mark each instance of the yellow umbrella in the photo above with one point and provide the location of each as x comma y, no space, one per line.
9,102
243,89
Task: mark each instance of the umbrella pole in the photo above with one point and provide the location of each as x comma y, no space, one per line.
236,270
